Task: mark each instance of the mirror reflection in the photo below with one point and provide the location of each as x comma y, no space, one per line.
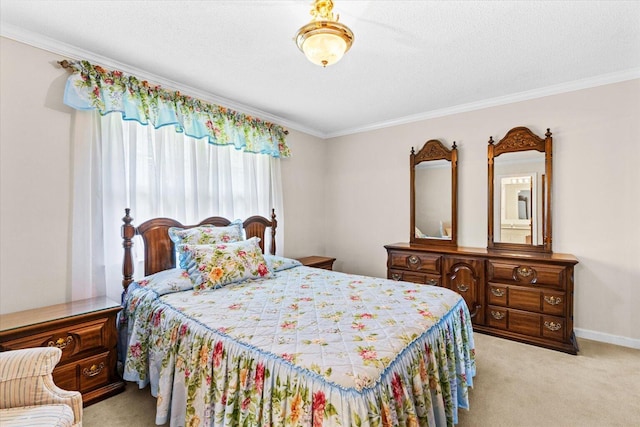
434,194
517,210
520,167
433,200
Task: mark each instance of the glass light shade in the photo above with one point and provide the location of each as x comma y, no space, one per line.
324,42
324,49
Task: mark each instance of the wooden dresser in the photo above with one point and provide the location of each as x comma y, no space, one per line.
522,296
86,333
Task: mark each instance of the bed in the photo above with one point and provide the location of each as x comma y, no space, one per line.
290,345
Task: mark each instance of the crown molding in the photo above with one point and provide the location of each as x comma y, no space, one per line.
74,52
572,86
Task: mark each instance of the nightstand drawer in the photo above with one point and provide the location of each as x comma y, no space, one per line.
72,340
94,372
83,375
422,262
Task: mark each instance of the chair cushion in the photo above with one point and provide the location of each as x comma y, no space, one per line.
41,415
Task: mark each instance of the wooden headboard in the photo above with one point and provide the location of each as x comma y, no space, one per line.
159,249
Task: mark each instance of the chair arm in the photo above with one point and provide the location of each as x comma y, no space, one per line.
26,379
28,362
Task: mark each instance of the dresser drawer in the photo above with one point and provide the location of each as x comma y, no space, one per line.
553,302
526,273
415,261
524,298
497,294
410,276
524,322
497,317
553,327
527,323
521,322
72,340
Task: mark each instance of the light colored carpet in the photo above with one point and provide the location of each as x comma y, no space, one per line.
516,385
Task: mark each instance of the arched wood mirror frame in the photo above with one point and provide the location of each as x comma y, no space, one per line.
431,151
521,139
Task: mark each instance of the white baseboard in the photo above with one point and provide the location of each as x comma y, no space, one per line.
607,338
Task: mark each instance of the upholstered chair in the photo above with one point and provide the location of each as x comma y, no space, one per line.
28,395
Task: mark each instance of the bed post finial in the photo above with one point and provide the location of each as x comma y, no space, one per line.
274,225
128,231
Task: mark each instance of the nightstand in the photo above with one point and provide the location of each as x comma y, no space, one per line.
318,262
86,333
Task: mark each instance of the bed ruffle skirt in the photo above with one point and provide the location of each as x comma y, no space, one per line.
201,377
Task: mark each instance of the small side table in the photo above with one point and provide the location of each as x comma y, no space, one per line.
318,262
86,333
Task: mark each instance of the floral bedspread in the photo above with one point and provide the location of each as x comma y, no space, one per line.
306,347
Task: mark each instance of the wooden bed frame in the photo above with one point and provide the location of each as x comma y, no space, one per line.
159,249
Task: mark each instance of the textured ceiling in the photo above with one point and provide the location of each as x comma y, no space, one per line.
410,59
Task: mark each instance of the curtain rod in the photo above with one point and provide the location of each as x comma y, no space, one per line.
64,64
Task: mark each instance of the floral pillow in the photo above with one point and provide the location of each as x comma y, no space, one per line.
204,235
167,281
213,266
279,263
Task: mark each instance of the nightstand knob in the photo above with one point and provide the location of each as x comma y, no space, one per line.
61,343
93,370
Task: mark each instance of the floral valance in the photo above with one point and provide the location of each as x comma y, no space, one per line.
92,87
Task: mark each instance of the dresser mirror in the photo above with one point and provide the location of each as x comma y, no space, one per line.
520,191
434,194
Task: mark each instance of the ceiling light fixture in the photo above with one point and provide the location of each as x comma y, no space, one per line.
324,40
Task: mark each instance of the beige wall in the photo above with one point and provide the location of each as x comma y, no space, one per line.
349,196
303,177
35,183
596,201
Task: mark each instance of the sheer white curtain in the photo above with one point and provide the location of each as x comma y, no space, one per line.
155,172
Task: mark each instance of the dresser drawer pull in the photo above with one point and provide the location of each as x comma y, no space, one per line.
497,292
61,343
413,260
552,326
525,271
553,300
432,282
462,287
497,315
396,276
93,370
